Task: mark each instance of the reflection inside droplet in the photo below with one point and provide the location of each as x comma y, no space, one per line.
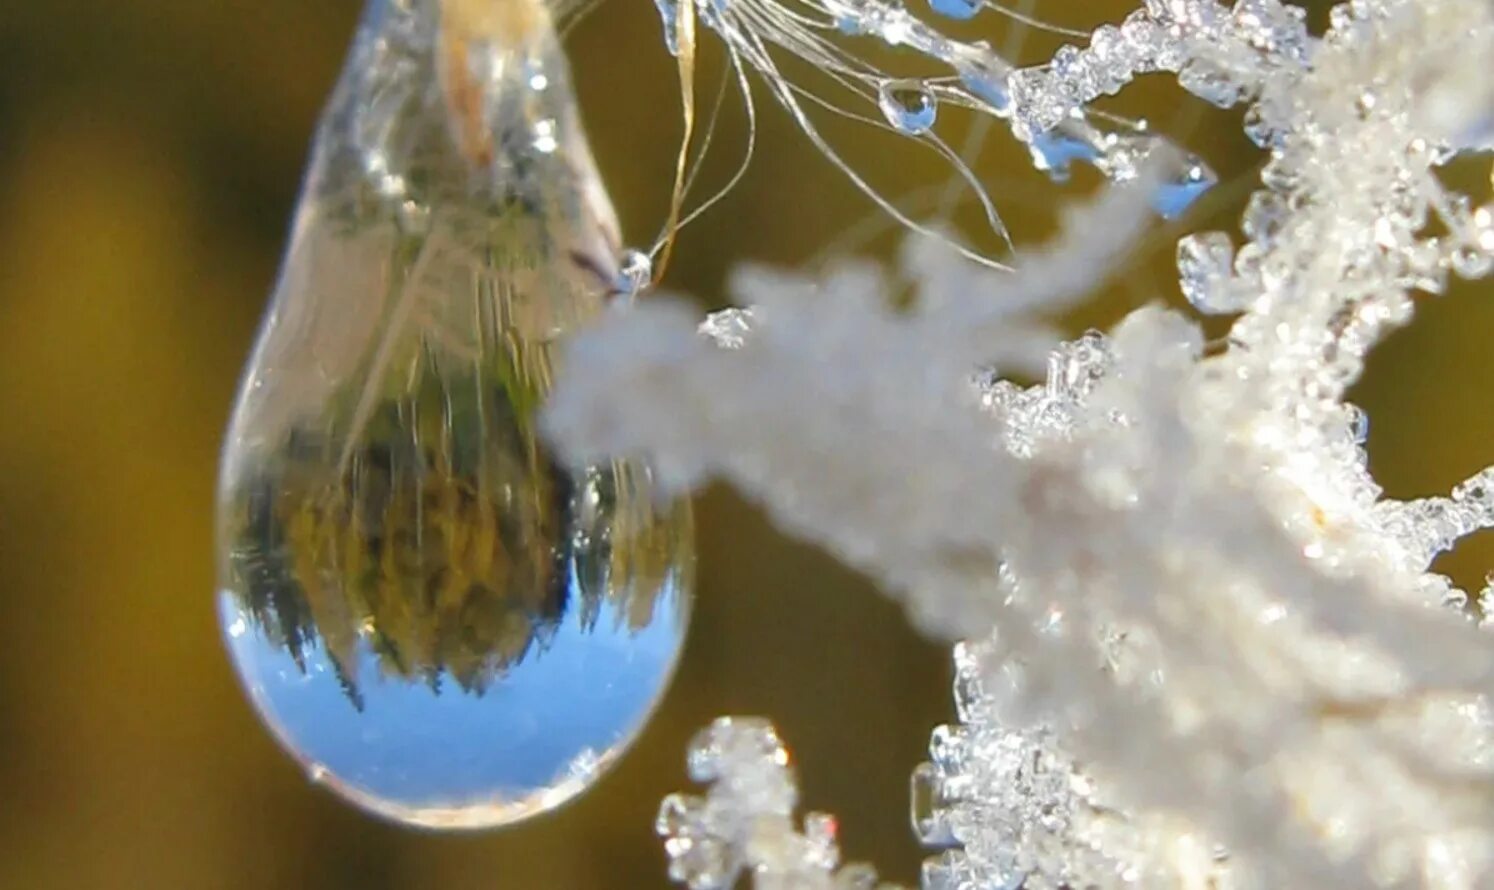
484,733
434,656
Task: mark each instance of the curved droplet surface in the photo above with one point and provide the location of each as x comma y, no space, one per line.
908,104
441,623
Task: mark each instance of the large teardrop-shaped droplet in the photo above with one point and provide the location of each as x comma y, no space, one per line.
438,621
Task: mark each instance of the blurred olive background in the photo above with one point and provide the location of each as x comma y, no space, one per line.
150,152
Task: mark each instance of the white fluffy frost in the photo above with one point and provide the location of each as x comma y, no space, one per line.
1202,649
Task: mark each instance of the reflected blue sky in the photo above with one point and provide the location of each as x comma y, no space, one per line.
413,747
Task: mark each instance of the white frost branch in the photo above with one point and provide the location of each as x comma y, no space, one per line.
1183,594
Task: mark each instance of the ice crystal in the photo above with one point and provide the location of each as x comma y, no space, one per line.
744,823
1200,647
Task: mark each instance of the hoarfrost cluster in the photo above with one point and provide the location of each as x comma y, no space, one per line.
1197,646
745,821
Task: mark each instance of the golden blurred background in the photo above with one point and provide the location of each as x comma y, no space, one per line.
150,153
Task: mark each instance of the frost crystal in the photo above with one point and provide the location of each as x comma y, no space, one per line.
1201,648
744,824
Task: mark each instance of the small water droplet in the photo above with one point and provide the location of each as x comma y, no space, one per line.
1174,196
985,77
1472,264
669,16
908,104
1055,152
1210,83
635,271
1359,423
956,9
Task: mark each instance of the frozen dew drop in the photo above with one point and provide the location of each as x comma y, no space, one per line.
985,77
669,16
1210,84
439,621
729,328
1471,263
1178,179
956,9
908,104
925,794
1205,261
1260,128
635,272
1174,195
1055,151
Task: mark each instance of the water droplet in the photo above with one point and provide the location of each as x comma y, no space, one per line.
925,807
635,271
956,9
1054,153
1472,263
442,624
909,105
1174,196
669,16
985,76
1210,83
1359,423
